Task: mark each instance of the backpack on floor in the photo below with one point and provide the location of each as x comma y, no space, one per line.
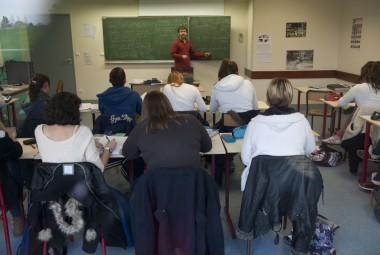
325,156
322,242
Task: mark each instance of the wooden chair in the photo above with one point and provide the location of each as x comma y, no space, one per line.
315,96
3,217
60,85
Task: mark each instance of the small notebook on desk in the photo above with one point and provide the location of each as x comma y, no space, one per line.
119,139
338,87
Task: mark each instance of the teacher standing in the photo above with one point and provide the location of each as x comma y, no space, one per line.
182,49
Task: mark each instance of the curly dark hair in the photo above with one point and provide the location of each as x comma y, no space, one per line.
63,109
370,73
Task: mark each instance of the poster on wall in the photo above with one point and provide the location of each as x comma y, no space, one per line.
356,33
264,48
296,29
299,59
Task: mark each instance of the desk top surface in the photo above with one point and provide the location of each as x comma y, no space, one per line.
335,103
31,151
12,101
10,90
367,118
306,89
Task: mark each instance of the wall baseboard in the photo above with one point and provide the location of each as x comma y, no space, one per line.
303,75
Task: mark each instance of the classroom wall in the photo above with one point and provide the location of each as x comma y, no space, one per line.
323,22
329,24
92,79
351,60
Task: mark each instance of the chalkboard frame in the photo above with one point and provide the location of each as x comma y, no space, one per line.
120,32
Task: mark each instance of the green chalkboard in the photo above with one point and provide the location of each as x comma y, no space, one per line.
150,38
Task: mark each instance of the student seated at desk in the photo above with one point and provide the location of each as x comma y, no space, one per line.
12,182
181,95
233,92
366,92
119,100
279,131
290,130
39,90
64,139
164,138
184,98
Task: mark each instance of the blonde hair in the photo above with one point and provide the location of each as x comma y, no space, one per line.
175,78
279,92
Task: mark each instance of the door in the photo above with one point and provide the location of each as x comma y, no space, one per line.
51,51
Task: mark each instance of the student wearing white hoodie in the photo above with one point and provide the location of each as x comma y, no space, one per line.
279,131
233,92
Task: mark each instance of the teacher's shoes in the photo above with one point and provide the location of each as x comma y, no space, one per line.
332,140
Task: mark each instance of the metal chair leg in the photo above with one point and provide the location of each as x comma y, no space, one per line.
248,248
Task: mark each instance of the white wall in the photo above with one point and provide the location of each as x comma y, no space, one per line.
329,24
323,22
351,60
93,78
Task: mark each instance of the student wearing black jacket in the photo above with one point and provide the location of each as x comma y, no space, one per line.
12,180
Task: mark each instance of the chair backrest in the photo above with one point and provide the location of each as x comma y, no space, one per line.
60,85
197,115
183,69
314,96
279,185
176,211
113,124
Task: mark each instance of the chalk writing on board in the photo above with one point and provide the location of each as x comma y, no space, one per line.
150,38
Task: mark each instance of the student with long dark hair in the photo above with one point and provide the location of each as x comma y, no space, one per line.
164,138
39,90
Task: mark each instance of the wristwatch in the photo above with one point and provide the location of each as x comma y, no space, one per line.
108,148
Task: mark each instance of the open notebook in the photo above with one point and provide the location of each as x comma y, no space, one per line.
119,139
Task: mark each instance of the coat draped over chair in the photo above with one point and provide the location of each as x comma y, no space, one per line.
176,211
280,186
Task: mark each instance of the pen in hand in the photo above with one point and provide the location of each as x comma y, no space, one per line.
108,139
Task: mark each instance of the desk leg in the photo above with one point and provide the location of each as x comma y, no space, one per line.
339,118
227,198
213,165
130,164
365,157
298,101
324,121
14,115
213,119
93,119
